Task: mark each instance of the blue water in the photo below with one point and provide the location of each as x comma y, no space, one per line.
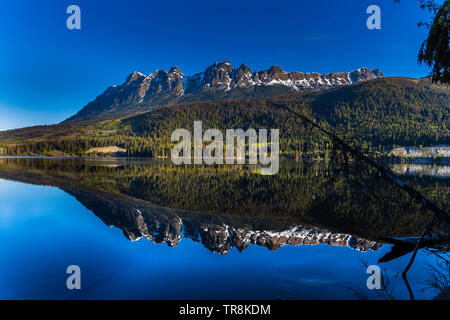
43,230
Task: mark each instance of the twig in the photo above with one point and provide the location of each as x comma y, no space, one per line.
427,229
438,255
411,261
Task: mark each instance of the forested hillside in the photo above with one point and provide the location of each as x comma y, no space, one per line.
377,114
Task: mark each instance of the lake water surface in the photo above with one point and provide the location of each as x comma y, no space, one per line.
144,229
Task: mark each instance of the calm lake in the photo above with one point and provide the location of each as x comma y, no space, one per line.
145,229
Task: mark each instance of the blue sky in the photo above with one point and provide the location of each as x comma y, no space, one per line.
48,72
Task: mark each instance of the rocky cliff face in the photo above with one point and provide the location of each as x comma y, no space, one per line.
439,151
140,93
222,76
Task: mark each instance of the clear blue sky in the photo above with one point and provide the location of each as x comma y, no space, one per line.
48,72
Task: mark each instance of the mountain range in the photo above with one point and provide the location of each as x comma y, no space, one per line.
141,93
380,114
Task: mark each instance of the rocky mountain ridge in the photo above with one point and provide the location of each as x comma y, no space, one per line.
140,93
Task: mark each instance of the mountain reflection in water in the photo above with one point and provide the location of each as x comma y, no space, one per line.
138,219
229,207
353,200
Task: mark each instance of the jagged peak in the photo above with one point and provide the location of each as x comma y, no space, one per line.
244,68
362,69
133,76
364,73
216,65
275,69
365,69
222,62
175,70
378,73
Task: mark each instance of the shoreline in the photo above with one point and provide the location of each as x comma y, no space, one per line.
388,160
